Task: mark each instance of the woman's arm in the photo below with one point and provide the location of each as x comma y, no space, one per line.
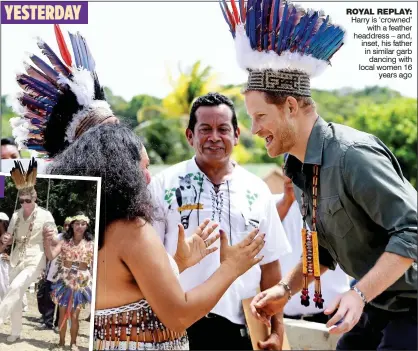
52,247
147,259
52,251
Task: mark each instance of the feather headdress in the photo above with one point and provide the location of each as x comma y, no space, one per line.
22,179
281,44
57,100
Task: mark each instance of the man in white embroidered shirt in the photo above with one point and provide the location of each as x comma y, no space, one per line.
211,185
27,258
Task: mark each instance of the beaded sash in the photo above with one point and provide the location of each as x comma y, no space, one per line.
130,327
310,256
21,244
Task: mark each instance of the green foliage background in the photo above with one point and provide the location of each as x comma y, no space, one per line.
162,122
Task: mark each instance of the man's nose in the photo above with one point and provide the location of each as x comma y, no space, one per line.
214,136
255,128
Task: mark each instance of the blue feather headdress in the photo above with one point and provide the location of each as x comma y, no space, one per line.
277,36
58,103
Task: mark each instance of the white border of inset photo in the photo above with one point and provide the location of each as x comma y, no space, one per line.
96,238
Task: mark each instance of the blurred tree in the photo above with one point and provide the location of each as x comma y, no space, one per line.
119,104
6,113
127,111
165,141
190,84
394,122
162,122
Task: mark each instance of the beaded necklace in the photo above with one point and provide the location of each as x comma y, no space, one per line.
310,257
24,241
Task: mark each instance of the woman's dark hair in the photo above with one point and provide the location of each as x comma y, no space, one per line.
8,141
4,225
113,152
70,233
60,119
62,115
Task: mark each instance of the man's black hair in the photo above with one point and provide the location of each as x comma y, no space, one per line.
212,99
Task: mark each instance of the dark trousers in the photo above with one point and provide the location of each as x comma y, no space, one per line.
382,330
218,333
41,291
45,304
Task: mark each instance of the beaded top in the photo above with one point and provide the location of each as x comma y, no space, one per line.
135,326
83,252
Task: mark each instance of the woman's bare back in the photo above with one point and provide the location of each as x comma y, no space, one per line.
116,285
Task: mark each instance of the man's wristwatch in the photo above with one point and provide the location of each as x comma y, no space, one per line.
360,294
287,288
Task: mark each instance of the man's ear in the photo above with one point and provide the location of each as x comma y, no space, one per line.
293,105
189,136
237,134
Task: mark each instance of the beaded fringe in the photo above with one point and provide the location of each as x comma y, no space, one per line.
310,250
128,328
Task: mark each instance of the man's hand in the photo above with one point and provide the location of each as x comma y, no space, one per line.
5,257
350,307
287,200
268,303
289,193
193,249
48,234
273,342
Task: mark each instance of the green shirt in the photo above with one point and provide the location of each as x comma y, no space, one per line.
365,206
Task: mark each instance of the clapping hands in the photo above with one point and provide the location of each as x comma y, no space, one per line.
240,257
196,247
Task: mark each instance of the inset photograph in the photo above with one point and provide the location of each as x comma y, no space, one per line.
48,226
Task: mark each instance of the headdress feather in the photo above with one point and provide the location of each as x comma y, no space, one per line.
55,94
277,35
65,53
22,179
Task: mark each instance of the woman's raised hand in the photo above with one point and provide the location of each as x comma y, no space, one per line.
242,256
193,249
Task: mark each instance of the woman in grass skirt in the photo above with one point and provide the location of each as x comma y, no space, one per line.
72,290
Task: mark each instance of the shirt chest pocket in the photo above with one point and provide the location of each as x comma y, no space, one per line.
247,223
333,217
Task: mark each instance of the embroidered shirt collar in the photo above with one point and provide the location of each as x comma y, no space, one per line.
193,167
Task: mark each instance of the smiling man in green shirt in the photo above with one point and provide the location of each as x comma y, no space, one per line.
366,221
354,198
